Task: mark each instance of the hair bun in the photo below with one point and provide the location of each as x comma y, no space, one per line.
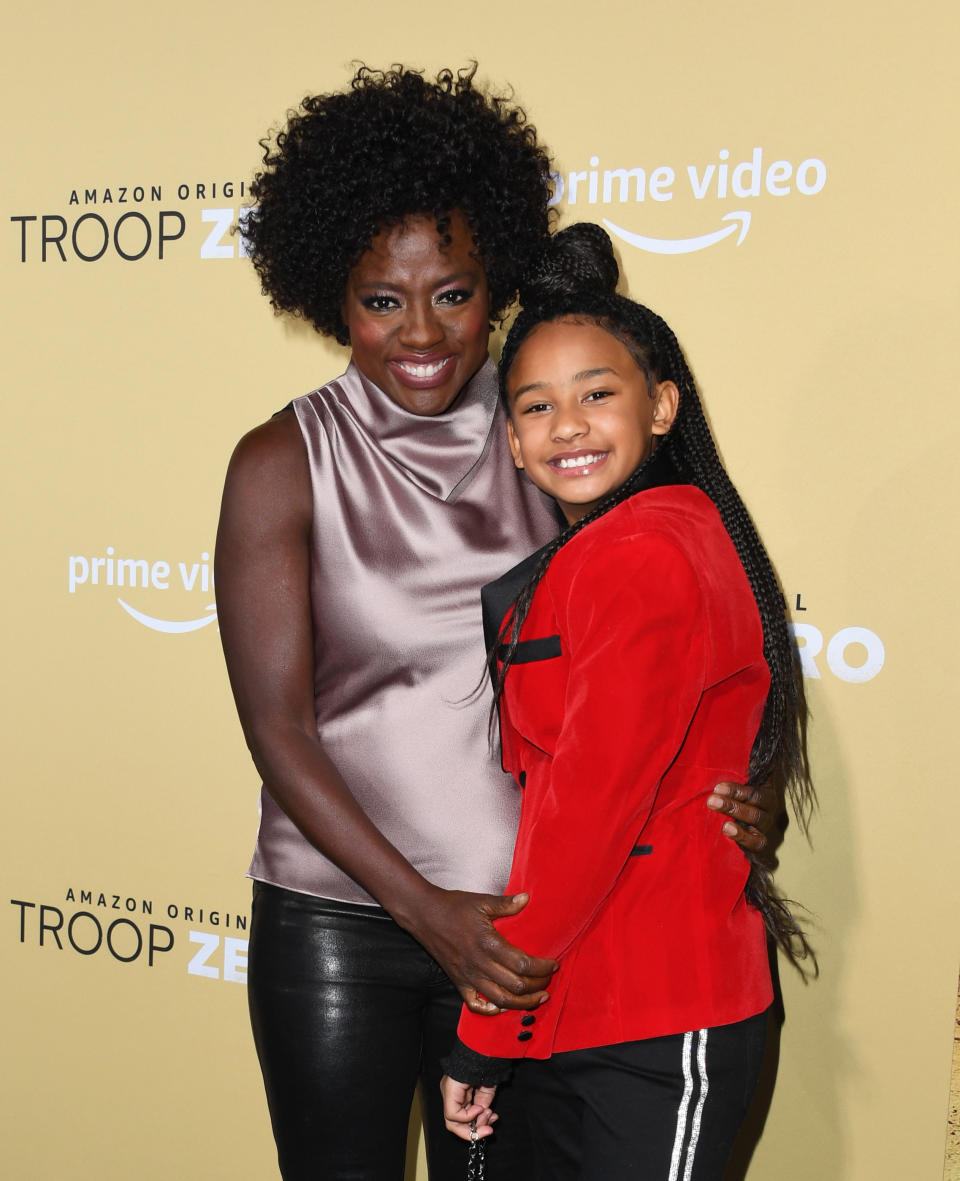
576,260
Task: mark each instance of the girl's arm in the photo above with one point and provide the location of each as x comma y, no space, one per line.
632,624
263,603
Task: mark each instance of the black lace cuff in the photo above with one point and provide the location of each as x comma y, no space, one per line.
467,1066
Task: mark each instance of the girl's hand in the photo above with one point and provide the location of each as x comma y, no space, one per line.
753,812
467,1110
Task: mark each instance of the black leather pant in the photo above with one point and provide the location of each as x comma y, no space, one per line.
349,1013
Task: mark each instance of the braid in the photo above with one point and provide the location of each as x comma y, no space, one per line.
779,750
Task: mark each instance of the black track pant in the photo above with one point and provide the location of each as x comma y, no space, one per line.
663,1109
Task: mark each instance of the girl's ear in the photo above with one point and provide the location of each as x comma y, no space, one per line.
514,444
665,412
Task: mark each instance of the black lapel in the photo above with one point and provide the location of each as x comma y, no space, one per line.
498,597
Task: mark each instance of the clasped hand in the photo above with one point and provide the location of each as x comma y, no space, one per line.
467,1110
456,927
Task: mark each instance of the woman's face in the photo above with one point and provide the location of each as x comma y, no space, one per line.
582,416
418,313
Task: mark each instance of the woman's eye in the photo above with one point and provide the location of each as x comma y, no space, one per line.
454,297
379,303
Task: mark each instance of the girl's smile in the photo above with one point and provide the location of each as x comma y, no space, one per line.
582,415
578,463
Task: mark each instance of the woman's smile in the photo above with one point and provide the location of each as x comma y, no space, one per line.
421,373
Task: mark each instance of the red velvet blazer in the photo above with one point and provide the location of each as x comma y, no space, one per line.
639,684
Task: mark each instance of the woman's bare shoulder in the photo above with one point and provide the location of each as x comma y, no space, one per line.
268,474
278,441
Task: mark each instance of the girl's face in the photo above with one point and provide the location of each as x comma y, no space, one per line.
418,313
582,416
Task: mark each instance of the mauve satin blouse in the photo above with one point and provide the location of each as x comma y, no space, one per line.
411,516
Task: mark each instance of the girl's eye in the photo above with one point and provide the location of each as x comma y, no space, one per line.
454,297
597,395
535,408
379,303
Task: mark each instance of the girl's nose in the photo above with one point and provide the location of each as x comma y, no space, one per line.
569,424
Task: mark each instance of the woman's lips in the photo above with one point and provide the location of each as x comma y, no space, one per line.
422,373
572,464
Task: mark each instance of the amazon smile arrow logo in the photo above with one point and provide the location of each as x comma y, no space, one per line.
170,626
683,245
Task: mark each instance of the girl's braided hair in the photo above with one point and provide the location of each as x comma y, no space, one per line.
575,277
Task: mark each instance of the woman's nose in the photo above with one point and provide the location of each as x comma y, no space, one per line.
421,327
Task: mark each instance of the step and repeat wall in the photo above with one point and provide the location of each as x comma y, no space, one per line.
780,183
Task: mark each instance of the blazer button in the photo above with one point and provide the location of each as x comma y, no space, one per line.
522,779
528,1020
525,1036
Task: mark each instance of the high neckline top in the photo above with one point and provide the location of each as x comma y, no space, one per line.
411,516
438,452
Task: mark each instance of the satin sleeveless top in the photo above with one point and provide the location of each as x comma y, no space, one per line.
412,515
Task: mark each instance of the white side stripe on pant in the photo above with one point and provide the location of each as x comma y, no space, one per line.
698,1112
683,1111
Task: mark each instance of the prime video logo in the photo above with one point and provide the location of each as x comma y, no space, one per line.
719,180
141,574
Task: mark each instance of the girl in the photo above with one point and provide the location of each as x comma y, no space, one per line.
646,656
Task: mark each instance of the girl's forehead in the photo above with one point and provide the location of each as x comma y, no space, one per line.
568,337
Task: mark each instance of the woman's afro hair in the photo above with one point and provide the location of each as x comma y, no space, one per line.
394,144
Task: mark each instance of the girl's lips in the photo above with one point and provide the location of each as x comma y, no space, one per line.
421,373
572,464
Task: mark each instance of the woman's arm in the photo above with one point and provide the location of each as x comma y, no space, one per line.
263,603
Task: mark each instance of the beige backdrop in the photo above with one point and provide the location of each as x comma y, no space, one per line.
795,222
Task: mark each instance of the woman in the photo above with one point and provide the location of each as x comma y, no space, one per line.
357,526
646,653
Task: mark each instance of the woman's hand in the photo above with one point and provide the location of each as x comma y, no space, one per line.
466,1109
456,927
753,812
